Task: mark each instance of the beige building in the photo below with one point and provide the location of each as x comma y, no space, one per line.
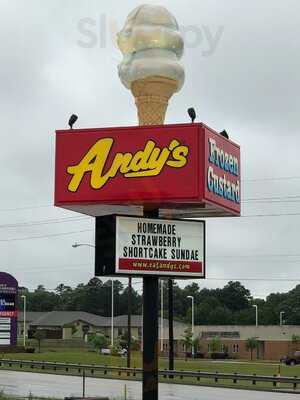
274,341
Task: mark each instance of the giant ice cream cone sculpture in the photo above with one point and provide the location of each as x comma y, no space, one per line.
152,47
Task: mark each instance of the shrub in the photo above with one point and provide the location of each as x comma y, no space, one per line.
29,350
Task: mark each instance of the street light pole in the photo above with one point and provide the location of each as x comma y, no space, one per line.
280,317
192,298
75,245
256,314
24,319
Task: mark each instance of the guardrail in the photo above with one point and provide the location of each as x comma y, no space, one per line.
105,369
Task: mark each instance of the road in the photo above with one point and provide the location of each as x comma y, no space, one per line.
23,383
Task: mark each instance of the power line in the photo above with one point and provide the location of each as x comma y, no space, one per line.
292,214
90,230
271,201
45,236
76,219
42,269
281,178
26,208
272,198
44,222
256,279
228,260
254,255
70,267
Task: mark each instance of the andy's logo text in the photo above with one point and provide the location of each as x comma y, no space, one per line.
144,163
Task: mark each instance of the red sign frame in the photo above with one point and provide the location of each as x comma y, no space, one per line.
182,169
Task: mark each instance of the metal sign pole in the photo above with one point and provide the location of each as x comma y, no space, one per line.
129,323
83,383
150,328
150,332
171,328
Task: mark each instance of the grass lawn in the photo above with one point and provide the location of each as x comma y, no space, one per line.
88,357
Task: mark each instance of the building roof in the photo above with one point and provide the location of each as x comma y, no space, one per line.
137,321
31,316
62,318
230,332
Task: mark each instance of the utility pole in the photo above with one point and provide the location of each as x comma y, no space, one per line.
24,320
171,326
161,315
112,313
150,331
193,323
129,322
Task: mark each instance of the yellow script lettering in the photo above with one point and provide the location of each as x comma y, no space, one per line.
147,162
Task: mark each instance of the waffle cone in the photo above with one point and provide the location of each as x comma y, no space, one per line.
151,98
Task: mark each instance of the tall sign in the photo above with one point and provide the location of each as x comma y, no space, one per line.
8,310
183,170
159,172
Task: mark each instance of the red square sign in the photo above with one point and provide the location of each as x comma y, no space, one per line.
185,169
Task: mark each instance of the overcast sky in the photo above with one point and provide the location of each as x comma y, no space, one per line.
242,68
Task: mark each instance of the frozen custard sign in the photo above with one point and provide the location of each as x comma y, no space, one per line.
156,246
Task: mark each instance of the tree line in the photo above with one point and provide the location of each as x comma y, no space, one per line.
232,304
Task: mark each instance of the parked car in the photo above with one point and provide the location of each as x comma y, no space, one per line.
107,352
123,352
219,355
294,359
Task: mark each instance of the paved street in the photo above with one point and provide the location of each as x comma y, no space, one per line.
22,383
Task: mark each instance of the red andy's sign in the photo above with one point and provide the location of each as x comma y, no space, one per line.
185,169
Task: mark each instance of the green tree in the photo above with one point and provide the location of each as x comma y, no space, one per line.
39,335
197,344
64,294
188,338
235,296
115,349
296,339
220,316
215,344
231,304
123,342
42,300
136,302
99,341
251,344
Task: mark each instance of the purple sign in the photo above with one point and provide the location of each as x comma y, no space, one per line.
8,310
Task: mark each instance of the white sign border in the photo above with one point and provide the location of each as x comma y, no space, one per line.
175,275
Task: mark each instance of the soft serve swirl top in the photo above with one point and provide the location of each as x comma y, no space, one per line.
151,45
